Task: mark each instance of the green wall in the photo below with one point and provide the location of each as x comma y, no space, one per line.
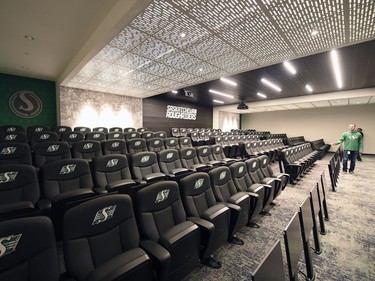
45,90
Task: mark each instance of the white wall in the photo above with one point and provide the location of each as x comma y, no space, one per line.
327,123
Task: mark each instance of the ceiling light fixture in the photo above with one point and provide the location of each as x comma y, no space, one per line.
270,84
174,92
309,88
314,32
290,67
201,69
336,68
228,81
182,34
220,94
261,95
218,101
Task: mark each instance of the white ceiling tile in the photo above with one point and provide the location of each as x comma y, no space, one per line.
305,105
324,103
359,100
339,102
372,99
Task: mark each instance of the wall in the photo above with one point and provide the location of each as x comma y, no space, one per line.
94,109
45,90
327,123
155,109
228,121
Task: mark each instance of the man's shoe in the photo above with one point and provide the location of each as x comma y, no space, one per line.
351,172
345,171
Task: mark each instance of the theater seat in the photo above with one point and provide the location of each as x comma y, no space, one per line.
155,144
15,136
101,242
170,163
19,191
205,156
28,250
40,137
256,191
111,172
15,153
145,168
226,192
189,159
50,151
200,203
114,147
72,137
162,219
136,145
86,149
96,136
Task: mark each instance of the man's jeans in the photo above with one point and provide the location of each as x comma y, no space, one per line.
352,156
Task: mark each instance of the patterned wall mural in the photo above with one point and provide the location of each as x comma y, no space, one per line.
94,109
228,121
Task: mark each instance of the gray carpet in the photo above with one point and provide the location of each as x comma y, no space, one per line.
347,248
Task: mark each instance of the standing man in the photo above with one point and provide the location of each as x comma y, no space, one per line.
353,144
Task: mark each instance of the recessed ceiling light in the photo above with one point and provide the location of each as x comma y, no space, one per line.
336,68
290,67
314,32
218,101
271,85
261,95
308,87
174,92
200,69
220,94
228,81
29,37
182,34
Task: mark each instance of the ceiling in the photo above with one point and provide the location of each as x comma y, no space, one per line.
137,48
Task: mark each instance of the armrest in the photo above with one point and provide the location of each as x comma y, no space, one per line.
100,190
207,230
178,171
154,177
238,198
120,183
158,255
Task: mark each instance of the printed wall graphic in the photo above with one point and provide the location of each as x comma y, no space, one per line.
179,112
27,101
25,104
95,109
228,121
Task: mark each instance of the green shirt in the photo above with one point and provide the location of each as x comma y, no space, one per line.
352,141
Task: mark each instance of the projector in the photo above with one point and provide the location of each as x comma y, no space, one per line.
188,93
242,106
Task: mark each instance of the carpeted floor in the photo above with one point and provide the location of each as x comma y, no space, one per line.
348,248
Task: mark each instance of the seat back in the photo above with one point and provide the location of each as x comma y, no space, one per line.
101,230
160,134
83,130
204,154
240,176
66,175
218,152
72,137
110,168
171,143
253,168
143,164
96,136
136,145
15,136
115,135
30,250
50,151
129,129
132,135
155,144
169,160
142,129
100,129
147,135
185,142
60,129
11,128
86,149
114,147
115,129
15,153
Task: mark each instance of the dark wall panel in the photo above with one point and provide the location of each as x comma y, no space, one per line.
155,109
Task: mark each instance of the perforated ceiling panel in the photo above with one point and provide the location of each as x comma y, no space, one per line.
178,43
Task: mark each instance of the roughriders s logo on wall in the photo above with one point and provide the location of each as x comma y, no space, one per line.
25,104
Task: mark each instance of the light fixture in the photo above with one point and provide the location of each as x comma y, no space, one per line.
29,37
228,81
314,32
200,69
261,95
242,106
182,34
270,84
290,67
220,94
336,68
218,101
174,92
309,88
